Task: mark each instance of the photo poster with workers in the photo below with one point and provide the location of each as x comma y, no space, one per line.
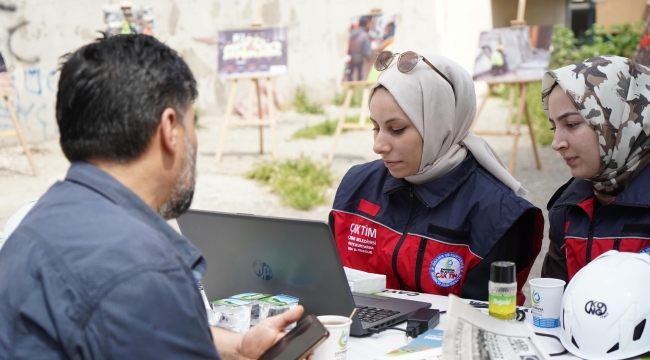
6,86
369,35
642,55
510,55
252,53
126,18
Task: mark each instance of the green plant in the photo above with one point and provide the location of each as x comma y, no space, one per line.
563,47
326,128
355,101
621,40
304,105
541,126
301,183
197,115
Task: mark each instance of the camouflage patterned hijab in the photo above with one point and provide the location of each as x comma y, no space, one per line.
612,94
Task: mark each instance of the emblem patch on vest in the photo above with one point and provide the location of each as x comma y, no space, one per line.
446,269
645,250
368,207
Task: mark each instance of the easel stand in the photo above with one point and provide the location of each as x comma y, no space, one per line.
250,121
17,132
515,133
361,125
523,105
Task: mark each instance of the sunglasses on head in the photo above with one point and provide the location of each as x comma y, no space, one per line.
406,62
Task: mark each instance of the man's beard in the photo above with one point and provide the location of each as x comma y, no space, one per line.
181,197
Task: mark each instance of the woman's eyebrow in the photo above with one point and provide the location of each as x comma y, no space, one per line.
566,115
387,121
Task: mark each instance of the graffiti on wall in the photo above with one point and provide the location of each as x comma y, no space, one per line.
36,100
35,83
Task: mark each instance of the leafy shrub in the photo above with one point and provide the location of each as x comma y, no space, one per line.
304,105
541,126
621,40
301,183
355,102
326,128
198,112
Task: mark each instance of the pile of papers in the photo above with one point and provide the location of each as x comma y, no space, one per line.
470,334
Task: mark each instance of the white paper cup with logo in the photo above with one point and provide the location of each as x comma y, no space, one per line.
546,298
336,345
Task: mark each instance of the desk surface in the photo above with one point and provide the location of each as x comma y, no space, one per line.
373,346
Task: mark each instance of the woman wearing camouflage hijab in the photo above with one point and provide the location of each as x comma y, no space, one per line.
601,118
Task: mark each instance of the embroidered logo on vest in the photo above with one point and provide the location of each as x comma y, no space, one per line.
447,269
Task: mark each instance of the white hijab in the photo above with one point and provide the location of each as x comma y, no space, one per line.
442,120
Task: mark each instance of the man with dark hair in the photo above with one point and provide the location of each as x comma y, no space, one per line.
359,48
94,271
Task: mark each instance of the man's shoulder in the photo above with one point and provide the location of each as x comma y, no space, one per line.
89,238
70,210
77,251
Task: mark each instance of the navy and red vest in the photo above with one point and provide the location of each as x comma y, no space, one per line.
583,234
428,238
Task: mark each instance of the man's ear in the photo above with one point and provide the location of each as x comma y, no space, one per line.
169,129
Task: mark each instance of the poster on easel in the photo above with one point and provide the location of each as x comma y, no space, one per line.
252,53
128,19
369,35
6,86
507,55
642,55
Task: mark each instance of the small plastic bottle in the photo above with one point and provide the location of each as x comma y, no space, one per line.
503,290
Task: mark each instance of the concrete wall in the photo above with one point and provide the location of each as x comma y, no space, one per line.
318,34
611,12
538,12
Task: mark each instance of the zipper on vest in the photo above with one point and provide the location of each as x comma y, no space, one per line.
590,240
418,263
590,235
617,244
401,241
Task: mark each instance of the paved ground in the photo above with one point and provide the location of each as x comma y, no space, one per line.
223,187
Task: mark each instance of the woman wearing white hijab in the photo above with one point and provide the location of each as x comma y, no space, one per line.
440,206
600,112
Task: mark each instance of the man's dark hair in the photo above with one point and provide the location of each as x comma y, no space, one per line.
364,20
112,93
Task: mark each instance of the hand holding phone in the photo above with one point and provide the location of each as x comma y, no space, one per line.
299,342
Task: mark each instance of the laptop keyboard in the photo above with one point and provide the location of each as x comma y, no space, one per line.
371,314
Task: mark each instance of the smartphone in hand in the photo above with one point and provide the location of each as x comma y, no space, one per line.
299,342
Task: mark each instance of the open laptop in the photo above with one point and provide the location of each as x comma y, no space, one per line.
247,253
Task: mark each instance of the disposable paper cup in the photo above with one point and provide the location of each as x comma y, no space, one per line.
336,345
546,296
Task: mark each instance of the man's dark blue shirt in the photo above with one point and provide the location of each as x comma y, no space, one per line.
93,272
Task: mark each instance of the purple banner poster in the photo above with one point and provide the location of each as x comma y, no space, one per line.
252,52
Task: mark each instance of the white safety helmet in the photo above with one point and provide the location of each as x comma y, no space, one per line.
606,308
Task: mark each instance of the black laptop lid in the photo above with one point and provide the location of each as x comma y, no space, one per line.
247,253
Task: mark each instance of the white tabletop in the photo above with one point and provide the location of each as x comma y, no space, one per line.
371,347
